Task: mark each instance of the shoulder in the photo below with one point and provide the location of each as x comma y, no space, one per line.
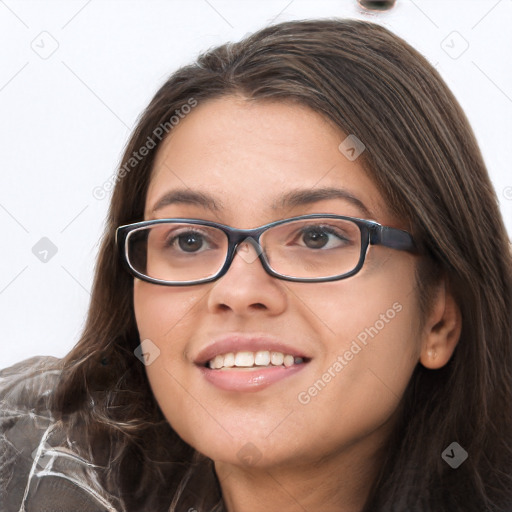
38,464
24,415
28,384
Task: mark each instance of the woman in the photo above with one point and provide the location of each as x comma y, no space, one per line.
302,299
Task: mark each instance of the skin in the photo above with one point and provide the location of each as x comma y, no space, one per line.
322,455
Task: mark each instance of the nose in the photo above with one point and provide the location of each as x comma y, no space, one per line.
247,287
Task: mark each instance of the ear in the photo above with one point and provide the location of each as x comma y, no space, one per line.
442,329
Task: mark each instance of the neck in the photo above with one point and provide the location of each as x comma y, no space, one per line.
340,482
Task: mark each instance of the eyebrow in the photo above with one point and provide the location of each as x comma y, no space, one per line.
187,197
302,197
291,199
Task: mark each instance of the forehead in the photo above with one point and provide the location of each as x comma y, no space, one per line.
248,155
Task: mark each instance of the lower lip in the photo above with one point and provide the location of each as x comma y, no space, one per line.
249,380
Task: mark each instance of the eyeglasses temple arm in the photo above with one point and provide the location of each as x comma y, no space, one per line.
393,238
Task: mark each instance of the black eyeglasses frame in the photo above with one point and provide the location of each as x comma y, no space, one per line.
372,233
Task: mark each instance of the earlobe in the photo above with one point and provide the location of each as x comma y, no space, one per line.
442,329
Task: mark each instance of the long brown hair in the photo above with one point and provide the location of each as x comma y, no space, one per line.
423,156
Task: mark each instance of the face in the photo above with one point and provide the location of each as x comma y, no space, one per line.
359,337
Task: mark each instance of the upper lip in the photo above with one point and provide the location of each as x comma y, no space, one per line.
245,342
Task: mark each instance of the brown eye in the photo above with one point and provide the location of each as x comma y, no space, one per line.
186,241
315,238
190,242
319,237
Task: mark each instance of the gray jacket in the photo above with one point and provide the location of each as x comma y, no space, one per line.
39,469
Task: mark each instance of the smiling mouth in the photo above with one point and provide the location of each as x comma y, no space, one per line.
246,360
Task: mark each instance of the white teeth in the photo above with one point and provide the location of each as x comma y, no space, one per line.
245,359
262,358
288,360
276,358
218,362
229,360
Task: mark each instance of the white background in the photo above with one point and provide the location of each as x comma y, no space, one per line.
66,117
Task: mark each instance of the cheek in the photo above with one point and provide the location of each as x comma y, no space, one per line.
377,310
372,341
159,310
166,317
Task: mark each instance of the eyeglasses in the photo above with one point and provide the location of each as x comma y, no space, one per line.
309,248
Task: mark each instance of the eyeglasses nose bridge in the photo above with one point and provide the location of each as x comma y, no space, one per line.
242,249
